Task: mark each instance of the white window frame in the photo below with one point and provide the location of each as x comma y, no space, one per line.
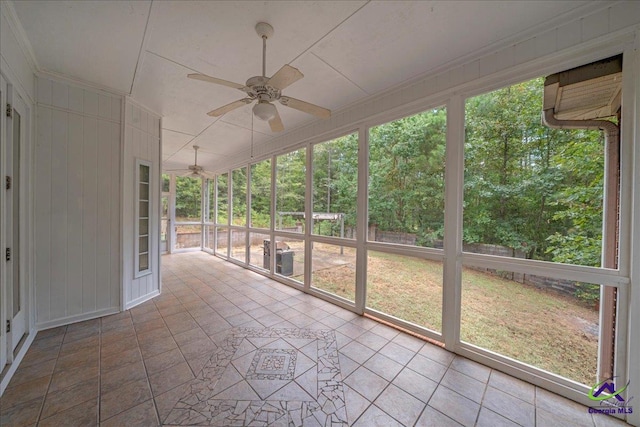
137,272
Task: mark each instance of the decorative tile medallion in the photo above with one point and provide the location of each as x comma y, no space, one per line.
272,364
267,377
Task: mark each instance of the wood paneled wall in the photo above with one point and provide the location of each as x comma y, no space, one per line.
77,203
141,141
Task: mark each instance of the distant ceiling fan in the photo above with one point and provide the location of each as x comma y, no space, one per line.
194,170
266,90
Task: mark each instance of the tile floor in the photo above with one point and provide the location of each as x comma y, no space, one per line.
225,346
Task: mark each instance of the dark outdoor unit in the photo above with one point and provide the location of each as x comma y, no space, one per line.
284,258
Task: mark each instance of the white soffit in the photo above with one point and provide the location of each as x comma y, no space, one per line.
93,41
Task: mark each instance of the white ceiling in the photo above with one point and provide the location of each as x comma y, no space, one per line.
347,50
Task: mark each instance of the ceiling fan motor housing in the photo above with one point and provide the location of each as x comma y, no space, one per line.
260,90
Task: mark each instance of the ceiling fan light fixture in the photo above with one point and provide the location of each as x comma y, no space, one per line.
264,110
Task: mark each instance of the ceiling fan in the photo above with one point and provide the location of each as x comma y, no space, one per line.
194,170
266,90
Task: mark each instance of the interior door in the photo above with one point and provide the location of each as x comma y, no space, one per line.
3,288
15,130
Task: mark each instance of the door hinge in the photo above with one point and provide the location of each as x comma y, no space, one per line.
7,182
7,254
9,111
8,325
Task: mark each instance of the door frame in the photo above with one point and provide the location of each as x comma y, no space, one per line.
12,94
167,246
15,225
3,290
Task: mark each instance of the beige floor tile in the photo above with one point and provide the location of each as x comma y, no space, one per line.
163,361
24,414
61,400
123,398
170,378
141,415
116,378
28,373
24,392
83,414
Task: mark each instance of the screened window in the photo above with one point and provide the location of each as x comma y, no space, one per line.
290,191
261,194
406,180
239,194
530,191
335,187
223,200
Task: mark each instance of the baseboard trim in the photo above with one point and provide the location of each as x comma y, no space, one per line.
141,299
76,318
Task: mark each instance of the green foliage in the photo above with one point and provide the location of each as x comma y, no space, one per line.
290,181
406,175
188,198
527,186
261,194
223,198
588,293
239,196
335,181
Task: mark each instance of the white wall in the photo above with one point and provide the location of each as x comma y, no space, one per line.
141,141
77,203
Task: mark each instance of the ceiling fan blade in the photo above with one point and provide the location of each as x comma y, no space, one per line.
229,107
276,123
305,107
285,76
215,80
176,171
189,173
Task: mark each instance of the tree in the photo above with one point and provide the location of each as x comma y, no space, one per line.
188,198
527,186
406,175
261,194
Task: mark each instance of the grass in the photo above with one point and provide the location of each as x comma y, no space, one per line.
543,329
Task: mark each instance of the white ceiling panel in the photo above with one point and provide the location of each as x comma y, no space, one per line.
347,50
173,142
224,138
323,85
386,43
163,86
95,41
219,38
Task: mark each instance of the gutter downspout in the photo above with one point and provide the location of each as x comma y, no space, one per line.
610,229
